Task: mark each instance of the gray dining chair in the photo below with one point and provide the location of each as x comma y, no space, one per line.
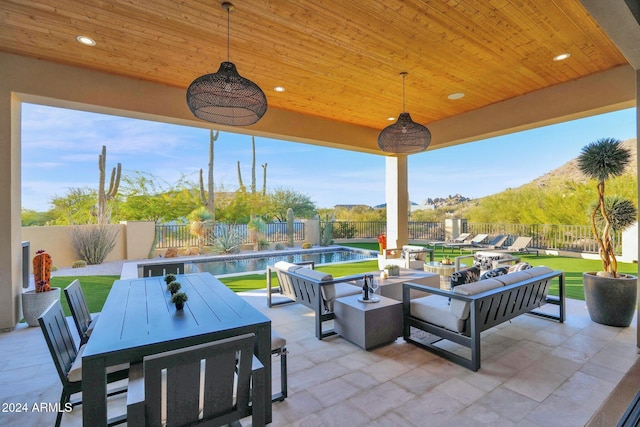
279,348
67,359
215,383
82,318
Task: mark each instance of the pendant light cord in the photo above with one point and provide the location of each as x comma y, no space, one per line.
228,34
403,74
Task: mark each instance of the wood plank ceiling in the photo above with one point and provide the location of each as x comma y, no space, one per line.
337,59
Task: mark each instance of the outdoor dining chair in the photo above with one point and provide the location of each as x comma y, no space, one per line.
68,359
279,347
162,269
215,383
80,311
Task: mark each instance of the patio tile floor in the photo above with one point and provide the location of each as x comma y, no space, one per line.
534,373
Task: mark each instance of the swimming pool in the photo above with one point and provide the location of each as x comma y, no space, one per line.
235,264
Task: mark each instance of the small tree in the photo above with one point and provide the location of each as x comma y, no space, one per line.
601,160
199,218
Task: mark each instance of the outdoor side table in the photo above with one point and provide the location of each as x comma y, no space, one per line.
368,325
444,270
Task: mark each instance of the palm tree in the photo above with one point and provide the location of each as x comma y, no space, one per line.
603,159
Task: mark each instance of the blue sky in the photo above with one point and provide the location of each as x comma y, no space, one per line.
60,150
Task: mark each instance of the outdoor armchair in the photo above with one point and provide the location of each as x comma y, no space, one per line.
408,256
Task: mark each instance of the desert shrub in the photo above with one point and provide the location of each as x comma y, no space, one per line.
227,239
79,264
93,243
279,246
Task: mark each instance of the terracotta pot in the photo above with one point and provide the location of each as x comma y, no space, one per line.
610,301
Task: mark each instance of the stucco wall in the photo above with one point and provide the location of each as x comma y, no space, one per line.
134,241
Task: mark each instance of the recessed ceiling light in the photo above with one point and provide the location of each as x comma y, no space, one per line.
391,118
561,57
87,41
279,89
457,95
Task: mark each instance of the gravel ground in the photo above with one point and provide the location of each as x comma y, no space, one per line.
106,268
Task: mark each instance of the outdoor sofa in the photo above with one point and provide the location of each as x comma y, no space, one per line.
461,314
315,289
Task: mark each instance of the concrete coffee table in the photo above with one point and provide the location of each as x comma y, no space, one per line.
368,325
392,286
444,270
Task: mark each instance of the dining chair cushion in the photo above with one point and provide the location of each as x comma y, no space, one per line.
277,340
75,373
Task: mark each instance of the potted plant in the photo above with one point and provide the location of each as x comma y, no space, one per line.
35,302
169,278
610,296
392,270
174,287
179,299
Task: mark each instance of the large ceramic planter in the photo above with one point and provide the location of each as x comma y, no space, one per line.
610,301
34,304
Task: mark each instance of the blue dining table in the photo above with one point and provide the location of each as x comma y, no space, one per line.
138,319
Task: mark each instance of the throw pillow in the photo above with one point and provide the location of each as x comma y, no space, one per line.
465,276
495,273
519,267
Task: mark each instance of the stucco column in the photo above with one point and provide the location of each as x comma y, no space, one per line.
10,229
397,197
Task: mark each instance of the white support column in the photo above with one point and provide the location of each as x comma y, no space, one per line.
397,197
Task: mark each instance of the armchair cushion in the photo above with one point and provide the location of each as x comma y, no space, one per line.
286,266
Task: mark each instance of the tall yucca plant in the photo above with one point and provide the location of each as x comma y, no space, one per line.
601,160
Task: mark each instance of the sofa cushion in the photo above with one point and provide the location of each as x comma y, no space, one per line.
460,309
435,309
511,278
537,271
494,273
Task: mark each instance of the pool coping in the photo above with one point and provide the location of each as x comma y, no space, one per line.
130,269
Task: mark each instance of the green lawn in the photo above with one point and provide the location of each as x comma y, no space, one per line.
96,288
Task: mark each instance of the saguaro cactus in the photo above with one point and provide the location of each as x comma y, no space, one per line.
42,271
114,183
208,198
290,227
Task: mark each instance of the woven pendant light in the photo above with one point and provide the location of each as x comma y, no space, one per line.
404,136
226,97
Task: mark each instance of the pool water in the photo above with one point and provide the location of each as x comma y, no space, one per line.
259,262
